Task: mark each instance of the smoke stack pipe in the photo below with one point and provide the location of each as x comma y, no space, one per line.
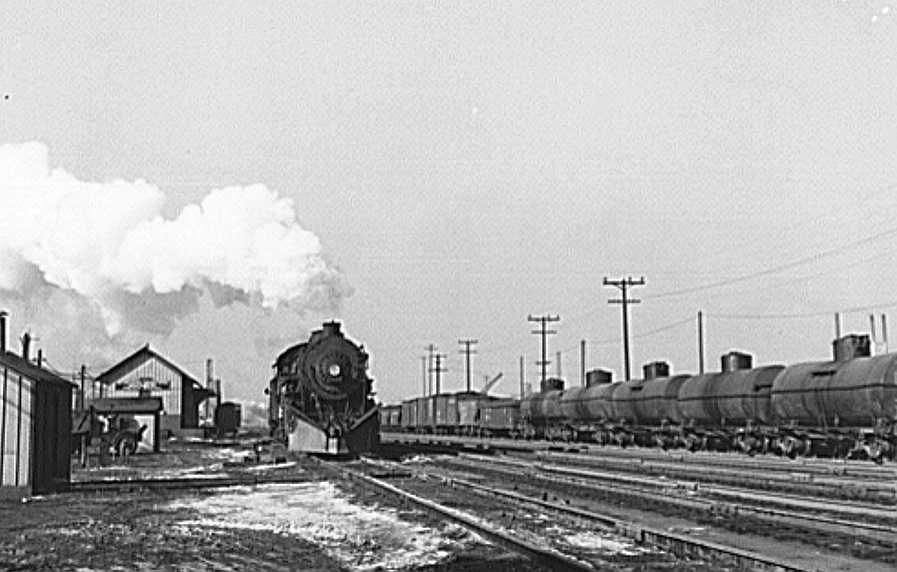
3,315
837,325
40,357
26,345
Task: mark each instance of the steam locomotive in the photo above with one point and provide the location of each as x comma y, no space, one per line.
320,399
846,407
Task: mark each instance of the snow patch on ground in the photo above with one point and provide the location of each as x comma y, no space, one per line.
602,543
363,538
271,466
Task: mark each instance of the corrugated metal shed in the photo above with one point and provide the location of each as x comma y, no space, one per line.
35,428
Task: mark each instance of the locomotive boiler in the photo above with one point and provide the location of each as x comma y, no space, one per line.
321,398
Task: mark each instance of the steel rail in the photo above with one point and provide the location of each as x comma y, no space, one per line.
637,485
545,556
823,486
677,543
125,485
859,469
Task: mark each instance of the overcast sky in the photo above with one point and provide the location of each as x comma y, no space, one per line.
465,164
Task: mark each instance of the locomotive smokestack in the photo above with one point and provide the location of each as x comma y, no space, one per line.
3,315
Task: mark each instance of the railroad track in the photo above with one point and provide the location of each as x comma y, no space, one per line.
126,485
555,559
826,485
879,525
828,478
855,469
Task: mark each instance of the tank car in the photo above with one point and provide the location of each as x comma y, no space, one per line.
840,407
541,415
321,398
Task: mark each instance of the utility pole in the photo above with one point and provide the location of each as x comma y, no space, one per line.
522,377
623,285
423,372
432,349
467,351
700,343
438,369
558,363
582,363
83,375
544,332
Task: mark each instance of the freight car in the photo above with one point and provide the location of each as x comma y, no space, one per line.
843,407
320,399
228,417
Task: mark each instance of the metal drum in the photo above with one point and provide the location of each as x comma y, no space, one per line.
742,396
846,393
657,401
697,399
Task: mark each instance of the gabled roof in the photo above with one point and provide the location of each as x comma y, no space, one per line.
28,369
131,362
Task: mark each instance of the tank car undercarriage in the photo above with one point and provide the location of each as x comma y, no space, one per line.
876,445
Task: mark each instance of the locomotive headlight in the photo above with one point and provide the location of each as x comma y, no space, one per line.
333,370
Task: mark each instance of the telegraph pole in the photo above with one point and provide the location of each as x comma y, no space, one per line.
522,377
467,351
438,369
700,343
582,363
623,285
83,375
432,349
544,332
423,375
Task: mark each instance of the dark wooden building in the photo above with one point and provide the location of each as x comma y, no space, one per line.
35,428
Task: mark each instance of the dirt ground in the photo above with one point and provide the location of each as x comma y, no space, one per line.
306,524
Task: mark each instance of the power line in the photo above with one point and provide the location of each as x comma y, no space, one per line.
657,330
774,269
772,316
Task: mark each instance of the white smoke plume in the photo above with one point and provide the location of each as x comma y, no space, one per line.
102,252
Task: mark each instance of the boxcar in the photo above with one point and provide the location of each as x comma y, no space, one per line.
500,418
409,416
